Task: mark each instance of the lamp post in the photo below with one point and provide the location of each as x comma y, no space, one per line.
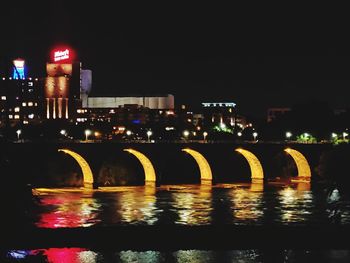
149,133
205,134
87,133
18,134
344,135
255,134
186,133
288,135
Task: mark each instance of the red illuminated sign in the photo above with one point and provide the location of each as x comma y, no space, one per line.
61,55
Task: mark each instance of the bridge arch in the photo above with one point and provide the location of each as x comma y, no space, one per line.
85,167
150,174
257,173
304,171
204,167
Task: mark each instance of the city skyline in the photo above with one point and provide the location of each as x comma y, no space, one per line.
256,63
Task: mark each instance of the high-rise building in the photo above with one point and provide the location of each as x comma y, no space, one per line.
62,85
20,101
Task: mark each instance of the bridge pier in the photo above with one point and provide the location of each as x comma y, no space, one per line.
206,182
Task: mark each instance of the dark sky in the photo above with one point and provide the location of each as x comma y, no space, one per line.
257,58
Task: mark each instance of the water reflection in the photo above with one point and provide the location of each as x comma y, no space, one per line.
295,204
82,255
68,210
184,204
248,203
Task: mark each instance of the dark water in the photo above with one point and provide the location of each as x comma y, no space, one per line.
80,255
238,204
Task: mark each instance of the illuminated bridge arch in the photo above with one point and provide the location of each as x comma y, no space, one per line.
257,173
85,167
304,171
204,167
150,174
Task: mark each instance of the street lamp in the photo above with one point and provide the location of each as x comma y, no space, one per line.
344,135
149,133
239,134
288,135
87,133
205,134
63,132
255,134
18,133
186,133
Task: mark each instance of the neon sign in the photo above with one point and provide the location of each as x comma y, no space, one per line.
60,55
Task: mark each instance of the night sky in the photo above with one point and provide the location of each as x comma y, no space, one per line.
255,58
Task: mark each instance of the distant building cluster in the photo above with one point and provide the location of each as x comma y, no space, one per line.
63,96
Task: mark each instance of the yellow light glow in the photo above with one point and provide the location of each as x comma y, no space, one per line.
257,173
203,165
87,173
303,166
150,174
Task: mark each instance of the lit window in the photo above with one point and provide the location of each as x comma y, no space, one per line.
17,109
16,117
36,104
30,84
31,116
25,122
3,78
78,110
3,97
10,116
30,104
24,104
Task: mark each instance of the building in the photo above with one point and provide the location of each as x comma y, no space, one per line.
62,85
273,113
21,98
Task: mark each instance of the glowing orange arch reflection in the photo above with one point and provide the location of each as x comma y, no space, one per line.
257,173
204,167
150,174
85,167
302,164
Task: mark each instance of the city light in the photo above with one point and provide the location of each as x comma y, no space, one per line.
87,133
344,135
18,133
205,134
128,132
149,134
63,132
255,134
239,134
288,135
186,133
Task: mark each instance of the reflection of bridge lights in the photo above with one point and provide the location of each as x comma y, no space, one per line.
203,164
301,163
87,173
150,174
254,164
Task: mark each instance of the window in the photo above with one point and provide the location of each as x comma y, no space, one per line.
31,116
30,104
17,109
16,117
24,104
3,97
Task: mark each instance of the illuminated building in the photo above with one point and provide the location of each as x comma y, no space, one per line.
18,69
20,101
62,84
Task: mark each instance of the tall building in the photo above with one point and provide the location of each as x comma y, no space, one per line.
20,101
62,85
